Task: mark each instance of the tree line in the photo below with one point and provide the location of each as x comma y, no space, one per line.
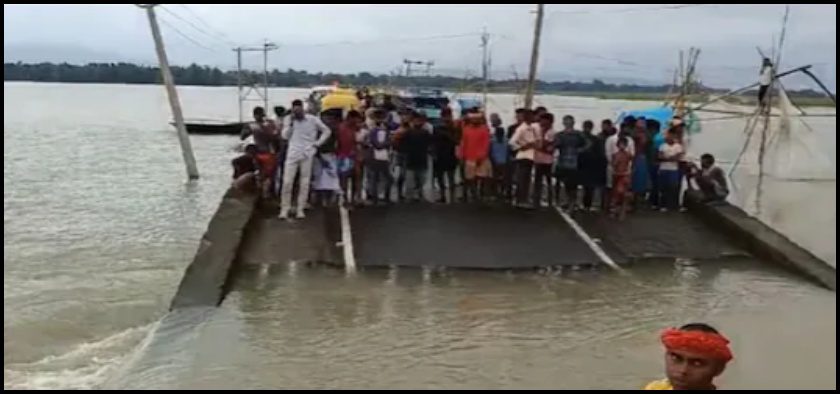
194,74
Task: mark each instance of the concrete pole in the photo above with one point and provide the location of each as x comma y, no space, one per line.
172,93
485,65
265,76
535,54
239,82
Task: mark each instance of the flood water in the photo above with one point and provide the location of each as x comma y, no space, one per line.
99,225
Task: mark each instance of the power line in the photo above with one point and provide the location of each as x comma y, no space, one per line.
201,20
632,9
182,19
184,36
387,40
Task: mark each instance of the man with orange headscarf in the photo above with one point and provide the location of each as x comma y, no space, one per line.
695,354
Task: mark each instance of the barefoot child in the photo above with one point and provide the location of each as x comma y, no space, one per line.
622,169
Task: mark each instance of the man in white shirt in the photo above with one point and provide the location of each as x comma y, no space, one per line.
671,153
524,142
765,78
304,133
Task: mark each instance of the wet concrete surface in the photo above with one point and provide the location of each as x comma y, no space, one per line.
765,242
272,241
647,234
465,236
204,280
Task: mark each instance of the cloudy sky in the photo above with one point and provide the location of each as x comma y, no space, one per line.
638,43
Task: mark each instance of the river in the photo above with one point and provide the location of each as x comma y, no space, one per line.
99,224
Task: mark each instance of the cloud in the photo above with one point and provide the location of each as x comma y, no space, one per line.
607,41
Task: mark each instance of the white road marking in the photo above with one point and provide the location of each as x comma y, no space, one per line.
589,241
347,240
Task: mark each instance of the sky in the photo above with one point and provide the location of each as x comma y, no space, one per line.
616,43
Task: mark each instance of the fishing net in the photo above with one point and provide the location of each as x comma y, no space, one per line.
790,183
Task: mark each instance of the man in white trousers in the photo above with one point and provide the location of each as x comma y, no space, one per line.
305,134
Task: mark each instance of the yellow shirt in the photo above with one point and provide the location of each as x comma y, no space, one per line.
663,384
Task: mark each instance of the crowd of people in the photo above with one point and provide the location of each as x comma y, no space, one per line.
366,155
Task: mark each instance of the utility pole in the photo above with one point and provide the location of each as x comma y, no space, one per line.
265,48
239,82
172,93
535,54
485,65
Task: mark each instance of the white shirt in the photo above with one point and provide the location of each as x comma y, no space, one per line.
766,76
524,134
303,136
611,146
670,152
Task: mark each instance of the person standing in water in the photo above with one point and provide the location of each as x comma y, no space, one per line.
695,354
305,133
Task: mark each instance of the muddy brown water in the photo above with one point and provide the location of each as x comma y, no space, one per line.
99,225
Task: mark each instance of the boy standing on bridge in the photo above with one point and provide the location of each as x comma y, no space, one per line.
416,144
347,154
569,144
622,167
379,166
544,158
475,149
524,141
500,156
670,155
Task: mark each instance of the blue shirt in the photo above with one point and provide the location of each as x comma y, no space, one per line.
498,151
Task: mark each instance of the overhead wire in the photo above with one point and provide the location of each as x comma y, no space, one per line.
196,28
185,36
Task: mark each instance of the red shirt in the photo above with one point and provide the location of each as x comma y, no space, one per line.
475,142
346,140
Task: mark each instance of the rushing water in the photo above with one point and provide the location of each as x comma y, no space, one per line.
99,225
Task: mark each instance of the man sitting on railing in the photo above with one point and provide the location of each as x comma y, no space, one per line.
710,180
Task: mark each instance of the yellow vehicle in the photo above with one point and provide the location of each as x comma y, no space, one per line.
343,99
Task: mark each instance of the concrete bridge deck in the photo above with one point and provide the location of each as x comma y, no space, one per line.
246,232
502,237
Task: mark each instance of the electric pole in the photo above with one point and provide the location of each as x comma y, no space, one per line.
265,48
535,54
172,94
485,65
